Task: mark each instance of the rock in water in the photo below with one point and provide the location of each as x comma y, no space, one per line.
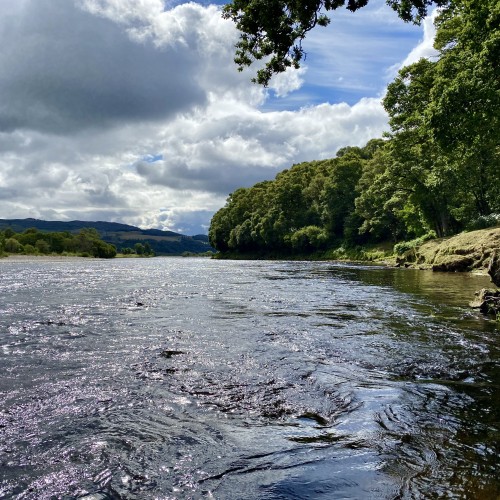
487,301
494,267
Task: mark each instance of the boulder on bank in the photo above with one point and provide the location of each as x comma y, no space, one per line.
487,301
470,251
454,263
494,267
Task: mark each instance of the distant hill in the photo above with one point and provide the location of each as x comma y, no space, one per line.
120,235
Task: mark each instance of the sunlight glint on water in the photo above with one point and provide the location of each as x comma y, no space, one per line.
195,378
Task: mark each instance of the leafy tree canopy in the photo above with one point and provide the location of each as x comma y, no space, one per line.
274,29
436,172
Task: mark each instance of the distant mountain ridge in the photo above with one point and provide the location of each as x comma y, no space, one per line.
120,235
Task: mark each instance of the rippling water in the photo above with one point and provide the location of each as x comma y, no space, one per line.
192,378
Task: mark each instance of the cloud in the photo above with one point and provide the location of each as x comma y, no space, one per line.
64,69
425,49
121,110
346,60
218,151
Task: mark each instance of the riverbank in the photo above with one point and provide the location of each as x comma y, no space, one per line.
47,258
464,252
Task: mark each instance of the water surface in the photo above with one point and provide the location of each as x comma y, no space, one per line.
192,378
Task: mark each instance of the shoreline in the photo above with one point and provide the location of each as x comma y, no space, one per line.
467,252
45,258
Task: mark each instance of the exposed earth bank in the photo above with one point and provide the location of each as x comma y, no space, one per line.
464,252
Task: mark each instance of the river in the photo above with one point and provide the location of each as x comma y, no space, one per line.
194,378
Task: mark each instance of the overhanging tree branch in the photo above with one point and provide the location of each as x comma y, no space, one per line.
274,29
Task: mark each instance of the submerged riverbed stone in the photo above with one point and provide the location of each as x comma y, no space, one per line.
168,353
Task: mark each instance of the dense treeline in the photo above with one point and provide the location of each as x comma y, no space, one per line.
139,249
437,172
86,243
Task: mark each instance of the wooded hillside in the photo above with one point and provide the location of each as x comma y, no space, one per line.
122,236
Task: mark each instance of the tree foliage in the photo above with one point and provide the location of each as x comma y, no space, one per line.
437,171
87,242
445,115
304,209
273,30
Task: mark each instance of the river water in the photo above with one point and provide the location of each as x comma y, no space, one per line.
193,378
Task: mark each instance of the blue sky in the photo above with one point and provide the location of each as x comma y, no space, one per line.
134,111
354,56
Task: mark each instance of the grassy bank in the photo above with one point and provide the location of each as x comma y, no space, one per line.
381,253
464,252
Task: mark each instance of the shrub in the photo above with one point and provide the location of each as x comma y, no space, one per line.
484,222
13,246
404,246
29,249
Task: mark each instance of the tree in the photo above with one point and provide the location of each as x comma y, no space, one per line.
379,204
445,120
88,242
220,228
103,250
84,240
13,246
29,249
340,191
304,209
42,246
466,93
464,112
274,29
418,167
229,227
308,239
147,249
139,249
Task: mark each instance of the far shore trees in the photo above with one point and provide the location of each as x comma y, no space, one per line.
86,242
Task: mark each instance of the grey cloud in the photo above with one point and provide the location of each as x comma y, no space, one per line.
220,155
10,193
220,179
22,178
59,187
63,69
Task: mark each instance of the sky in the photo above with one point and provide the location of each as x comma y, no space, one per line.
133,111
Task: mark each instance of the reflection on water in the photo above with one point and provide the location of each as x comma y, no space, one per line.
192,378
